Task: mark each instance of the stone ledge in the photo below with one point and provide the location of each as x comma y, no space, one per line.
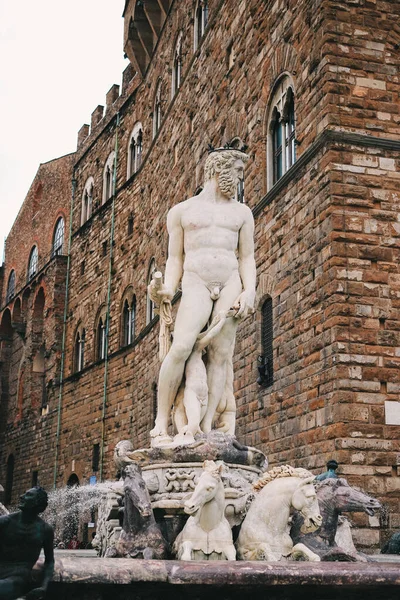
249,574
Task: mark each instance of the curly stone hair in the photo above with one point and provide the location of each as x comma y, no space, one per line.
222,161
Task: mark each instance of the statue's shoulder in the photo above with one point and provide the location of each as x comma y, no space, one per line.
178,209
7,519
246,212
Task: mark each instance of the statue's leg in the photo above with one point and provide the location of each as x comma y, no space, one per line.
179,414
185,552
193,409
227,407
220,351
300,551
193,314
230,552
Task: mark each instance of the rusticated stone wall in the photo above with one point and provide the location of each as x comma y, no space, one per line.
327,236
31,328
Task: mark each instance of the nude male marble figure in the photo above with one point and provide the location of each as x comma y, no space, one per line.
211,250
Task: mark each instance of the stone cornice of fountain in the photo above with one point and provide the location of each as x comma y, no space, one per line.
261,579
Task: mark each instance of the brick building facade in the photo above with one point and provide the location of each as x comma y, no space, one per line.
313,89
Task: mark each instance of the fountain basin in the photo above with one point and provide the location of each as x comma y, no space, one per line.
104,578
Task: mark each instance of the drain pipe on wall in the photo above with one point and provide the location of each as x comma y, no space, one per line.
110,275
61,386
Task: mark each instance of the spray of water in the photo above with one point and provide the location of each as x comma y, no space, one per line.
71,507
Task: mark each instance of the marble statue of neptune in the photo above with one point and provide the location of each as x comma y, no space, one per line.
211,252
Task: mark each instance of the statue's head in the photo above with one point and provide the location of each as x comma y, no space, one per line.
332,465
227,165
34,500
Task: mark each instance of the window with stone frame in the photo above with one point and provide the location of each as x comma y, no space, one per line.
108,178
281,134
101,336
33,263
177,66
266,365
58,237
135,149
79,350
200,21
10,286
128,320
87,201
240,191
131,222
150,306
157,110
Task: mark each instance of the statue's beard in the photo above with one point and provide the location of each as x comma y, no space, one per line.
227,183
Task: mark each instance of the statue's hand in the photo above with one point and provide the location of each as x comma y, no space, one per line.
159,294
244,304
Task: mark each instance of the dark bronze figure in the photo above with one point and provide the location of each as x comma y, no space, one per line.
22,536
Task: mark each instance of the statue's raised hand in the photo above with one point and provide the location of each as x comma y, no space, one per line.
244,304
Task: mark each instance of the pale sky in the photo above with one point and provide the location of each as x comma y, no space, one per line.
57,62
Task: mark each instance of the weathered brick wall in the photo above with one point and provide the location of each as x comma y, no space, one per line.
31,330
48,198
326,236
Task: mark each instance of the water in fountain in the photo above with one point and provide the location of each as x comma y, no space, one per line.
70,508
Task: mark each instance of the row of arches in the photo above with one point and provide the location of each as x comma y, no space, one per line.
57,249
127,329
15,316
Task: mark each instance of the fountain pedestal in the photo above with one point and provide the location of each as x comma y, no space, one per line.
171,475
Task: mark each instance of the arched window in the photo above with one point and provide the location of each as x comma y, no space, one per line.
87,200
79,350
128,321
266,366
108,178
177,66
58,238
150,313
10,287
281,140
200,21
157,110
101,338
135,149
33,263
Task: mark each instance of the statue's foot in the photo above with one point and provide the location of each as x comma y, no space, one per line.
159,438
184,438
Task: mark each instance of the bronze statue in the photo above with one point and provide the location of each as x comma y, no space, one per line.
22,536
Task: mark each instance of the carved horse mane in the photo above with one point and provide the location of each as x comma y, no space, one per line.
282,471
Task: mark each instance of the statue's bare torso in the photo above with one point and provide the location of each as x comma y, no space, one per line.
211,234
